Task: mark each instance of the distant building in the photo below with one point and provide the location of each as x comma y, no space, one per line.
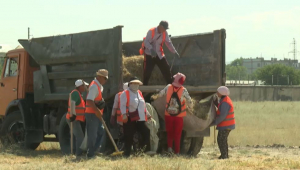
252,64
244,82
2,54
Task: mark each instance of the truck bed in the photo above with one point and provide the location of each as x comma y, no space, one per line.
65,58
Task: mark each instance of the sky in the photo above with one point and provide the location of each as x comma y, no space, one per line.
254,28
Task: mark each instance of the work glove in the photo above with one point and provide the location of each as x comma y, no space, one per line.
72,118
113,120
177,55
153,53
215,100
125,118
100,104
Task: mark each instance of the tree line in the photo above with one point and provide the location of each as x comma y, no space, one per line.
274,74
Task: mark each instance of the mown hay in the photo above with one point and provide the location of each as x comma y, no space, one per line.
199,117
133,66
198,108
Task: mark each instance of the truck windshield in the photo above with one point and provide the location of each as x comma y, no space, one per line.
2,59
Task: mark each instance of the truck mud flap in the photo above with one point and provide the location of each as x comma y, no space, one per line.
205,132
34,136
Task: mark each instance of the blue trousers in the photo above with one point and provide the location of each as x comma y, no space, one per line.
95,132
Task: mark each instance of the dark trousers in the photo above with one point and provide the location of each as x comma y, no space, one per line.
129,130
222,143
163,65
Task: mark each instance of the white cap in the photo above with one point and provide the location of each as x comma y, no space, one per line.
80,82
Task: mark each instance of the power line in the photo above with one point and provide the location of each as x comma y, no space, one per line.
294,51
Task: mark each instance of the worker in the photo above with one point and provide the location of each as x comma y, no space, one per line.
134,113
225,120
94,112
75,113
176,99
116,115
152,49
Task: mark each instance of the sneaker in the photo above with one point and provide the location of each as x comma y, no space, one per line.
150,153
170,150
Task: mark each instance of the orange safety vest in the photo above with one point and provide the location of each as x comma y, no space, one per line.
88,108
229,120
142,49
170,91
78,109
120,118
119,115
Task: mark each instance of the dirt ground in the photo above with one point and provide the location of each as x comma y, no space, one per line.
257,157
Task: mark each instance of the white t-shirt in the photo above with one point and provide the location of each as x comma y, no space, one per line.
93,90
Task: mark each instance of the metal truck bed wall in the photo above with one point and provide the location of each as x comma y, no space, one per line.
65,58
202,60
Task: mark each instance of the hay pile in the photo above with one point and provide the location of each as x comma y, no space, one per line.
199,108
133,66
198,117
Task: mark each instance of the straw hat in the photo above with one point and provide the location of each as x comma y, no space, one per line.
103,73
135,80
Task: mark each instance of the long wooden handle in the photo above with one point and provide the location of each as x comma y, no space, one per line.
214,135
72,138
112,140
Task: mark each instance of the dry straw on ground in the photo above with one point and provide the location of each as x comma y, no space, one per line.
133,66
257,123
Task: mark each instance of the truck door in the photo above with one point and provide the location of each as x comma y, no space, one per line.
9,82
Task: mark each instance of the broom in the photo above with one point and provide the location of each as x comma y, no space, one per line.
112,140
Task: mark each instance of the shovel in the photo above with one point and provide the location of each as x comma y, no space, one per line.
112,140
174,58
72,138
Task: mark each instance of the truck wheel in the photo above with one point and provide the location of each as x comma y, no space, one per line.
196,145
64,136
13,128
190,146
185,143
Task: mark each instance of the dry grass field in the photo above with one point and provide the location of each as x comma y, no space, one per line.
266,137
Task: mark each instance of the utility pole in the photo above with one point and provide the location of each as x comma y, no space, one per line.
272,80
28,33
294,51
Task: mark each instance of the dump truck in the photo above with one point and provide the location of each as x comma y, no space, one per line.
37,79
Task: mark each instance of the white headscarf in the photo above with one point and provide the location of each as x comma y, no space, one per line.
125,86
223,90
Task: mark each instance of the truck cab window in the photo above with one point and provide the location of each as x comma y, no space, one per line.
11,68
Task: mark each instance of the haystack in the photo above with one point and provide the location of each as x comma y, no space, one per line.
199,117
133,66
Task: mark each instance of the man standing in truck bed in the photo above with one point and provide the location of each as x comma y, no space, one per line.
154,54
94,112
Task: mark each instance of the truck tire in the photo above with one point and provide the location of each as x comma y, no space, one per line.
196,145
13,128
64,136
190,146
